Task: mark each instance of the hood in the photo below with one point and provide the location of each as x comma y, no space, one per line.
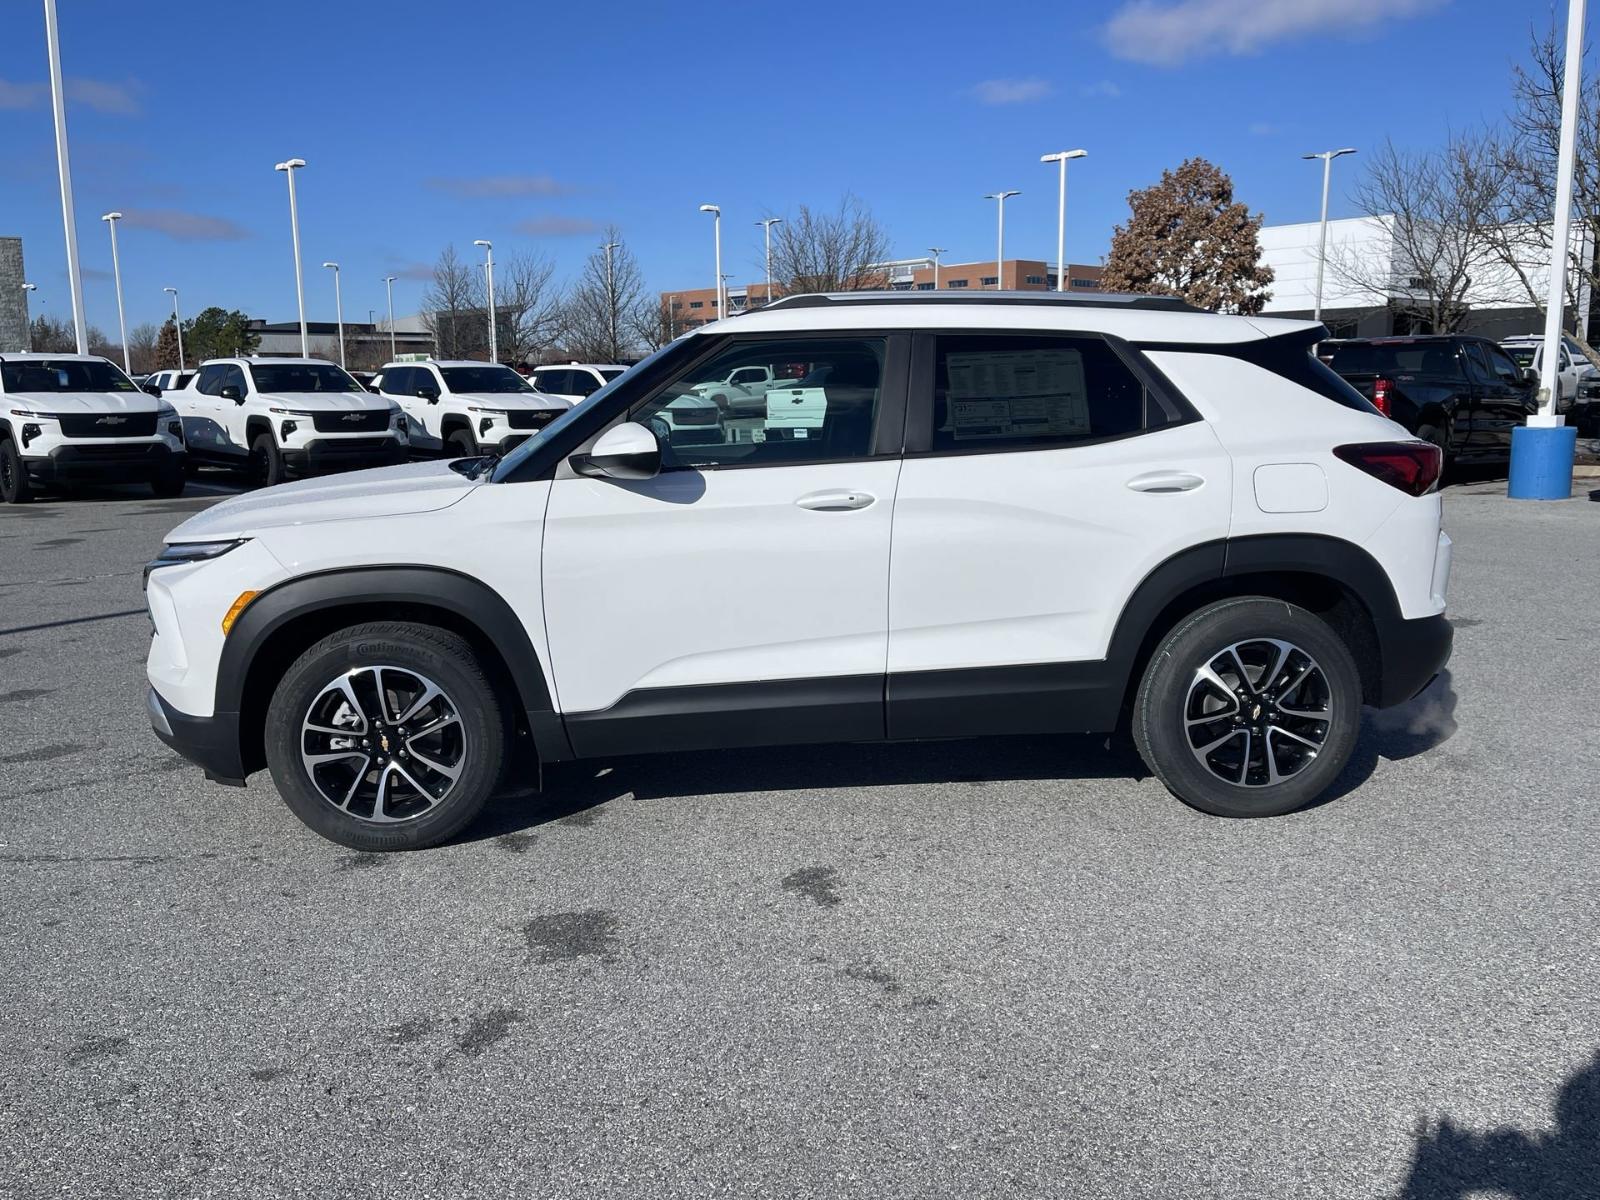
83,402
513,401
384,492
326,401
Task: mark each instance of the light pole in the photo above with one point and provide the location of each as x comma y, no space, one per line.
716,214
611,297
64,167
338,307
29,287
1061,213
488,272
289,168
177,322
1000,251
111,219
766,226
1327,157
936,251
388,282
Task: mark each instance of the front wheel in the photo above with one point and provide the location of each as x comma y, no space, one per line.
1249,708
386,736
461,444
15,487
266,461
170,481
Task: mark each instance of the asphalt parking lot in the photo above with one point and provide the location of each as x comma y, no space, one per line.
1011,967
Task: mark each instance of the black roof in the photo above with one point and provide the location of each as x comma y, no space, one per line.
1041,299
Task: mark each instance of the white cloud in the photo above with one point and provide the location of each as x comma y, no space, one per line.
485,186
119,99
1104,88
1168,32
185,226
557,227
1011,91
1262,129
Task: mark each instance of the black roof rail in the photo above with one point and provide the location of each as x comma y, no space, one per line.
1039,299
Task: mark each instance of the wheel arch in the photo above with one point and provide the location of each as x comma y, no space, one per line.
256,423
1336,579
283,621
453,422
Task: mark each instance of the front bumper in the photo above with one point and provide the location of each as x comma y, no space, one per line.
142,460
325,455
211,743
1413,653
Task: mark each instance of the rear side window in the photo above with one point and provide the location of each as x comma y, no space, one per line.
1036,392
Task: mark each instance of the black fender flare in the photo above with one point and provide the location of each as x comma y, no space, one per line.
471,599
1212,563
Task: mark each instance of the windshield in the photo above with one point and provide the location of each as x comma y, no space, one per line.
64,375
552,431
1523,354
493,380
302,377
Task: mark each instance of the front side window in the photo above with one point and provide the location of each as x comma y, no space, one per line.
486,379
302,377
1477,366
64,375
1035,392
583,383
823,409
1501,364
210,380
232,374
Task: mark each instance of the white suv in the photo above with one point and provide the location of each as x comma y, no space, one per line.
280,416
462,408
1019,513
71,417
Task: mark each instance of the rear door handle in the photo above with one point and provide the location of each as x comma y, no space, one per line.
836,501
1165,481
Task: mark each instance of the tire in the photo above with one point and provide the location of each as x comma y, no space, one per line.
1179,712
461,444
266,461
15,486
411,656
169,484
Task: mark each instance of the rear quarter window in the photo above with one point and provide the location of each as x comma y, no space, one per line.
1290,357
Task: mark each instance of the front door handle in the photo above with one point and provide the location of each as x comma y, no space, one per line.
1165,481
836,501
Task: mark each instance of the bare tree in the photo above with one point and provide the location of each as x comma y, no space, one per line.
455,307
656,323
1188,237
1442,209
528,308
830,252
142,347
1529,162
603,310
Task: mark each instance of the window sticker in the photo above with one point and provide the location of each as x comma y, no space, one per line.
1017,394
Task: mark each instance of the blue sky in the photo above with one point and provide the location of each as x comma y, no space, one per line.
537,124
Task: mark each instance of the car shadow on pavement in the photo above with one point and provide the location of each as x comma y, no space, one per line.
574,789
1452,1162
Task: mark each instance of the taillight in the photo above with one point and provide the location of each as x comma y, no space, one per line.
1380,396
1413,467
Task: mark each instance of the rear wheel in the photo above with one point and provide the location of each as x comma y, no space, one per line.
15,487
266,461
386,736
1249,708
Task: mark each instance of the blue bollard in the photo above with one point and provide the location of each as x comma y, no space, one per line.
1541,462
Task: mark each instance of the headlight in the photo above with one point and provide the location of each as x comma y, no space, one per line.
165,411
488,412
292,412
177,553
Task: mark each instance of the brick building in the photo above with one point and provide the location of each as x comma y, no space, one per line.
691,307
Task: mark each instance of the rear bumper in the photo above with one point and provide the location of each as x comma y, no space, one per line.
211,743
1413,653
104,460
320,457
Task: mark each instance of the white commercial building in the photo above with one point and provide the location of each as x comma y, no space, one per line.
1368,292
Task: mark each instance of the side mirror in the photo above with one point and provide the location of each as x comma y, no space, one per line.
431,395
153,389
230,391
626,451
1529,375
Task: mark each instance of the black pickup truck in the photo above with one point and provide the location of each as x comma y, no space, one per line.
1463,393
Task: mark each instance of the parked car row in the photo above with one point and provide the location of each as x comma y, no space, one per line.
1462,392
